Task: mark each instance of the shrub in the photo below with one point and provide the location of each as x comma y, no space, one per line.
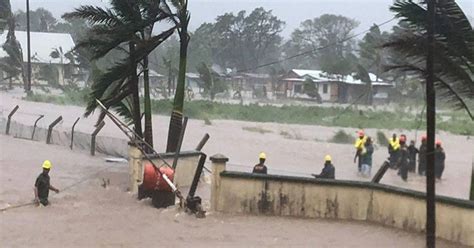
341,137
382,139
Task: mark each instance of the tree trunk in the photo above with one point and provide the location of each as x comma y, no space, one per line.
135,92
177,114
148,121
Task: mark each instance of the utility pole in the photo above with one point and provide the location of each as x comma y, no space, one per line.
28,86
430,130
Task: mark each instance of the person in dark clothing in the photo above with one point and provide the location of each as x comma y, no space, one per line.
403,159
422,156
328,172
367,157
43,186
260,167
440,157
412,151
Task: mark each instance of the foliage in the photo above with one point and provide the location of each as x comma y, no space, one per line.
239,40
454,48
331,32
212,82
341,137
311,90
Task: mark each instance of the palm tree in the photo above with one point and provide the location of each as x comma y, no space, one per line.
122,26
13,63
439,45
454,48
181,20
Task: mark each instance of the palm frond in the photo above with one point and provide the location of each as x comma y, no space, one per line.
94,15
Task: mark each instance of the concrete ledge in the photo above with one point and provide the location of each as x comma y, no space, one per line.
353,184
241,192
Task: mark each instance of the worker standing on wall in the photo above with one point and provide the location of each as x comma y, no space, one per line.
359,145
394,150
403,158
260,167
328,172
422,156
440,157
412,151
43,186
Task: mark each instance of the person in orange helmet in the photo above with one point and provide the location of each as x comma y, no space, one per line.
440,157
422,156
403,158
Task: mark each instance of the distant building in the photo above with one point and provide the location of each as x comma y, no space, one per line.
251,84
331,88
42,44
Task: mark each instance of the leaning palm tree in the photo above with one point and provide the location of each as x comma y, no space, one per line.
122,28
454,48
181,20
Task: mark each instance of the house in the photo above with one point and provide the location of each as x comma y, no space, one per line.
331,88
42,45
194,82
251,84
156,79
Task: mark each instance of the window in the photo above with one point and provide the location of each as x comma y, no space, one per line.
325,88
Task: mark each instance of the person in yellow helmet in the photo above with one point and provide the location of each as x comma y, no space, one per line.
43,186
260,167
394,150
359,145
328,172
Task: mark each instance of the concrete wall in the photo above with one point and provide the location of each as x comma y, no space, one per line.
185,168
239,192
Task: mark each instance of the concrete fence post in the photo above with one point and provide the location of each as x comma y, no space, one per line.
471,196
94,135
135,167
34,126
7,131
72,133
218,165
50,129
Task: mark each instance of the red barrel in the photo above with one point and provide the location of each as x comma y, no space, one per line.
152,180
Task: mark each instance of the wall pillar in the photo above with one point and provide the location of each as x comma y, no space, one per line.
218,165
135,168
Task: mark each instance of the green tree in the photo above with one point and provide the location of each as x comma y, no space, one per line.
212,83
331,32
12,64
371,52
41,20
181,20
119,28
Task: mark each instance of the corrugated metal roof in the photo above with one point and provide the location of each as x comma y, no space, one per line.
42,44
320,76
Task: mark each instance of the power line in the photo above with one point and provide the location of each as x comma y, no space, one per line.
313,50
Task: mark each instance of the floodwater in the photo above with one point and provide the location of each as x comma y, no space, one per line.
89,213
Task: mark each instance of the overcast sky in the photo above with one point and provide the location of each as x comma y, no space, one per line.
293,12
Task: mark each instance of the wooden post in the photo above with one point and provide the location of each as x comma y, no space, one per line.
94,134
471,197
50,129
202,142
72,132
9,119
218,165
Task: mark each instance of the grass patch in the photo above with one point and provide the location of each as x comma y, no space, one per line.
293,135
257,130
341,137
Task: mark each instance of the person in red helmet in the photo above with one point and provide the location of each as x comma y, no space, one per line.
440,157
422,156
403,159
359,145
